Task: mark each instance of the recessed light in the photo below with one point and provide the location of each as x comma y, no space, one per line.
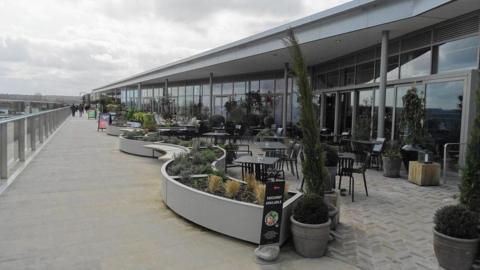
338,41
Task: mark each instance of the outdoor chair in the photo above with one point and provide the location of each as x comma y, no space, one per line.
240,150
376,154
346,168
275,172
293,158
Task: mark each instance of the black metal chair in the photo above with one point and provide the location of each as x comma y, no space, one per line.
293,158
276,171
346,168
376,154
235,151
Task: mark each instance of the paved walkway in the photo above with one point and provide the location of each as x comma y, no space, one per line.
81,204
391,229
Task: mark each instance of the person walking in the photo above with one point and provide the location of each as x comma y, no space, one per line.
80,110
74,109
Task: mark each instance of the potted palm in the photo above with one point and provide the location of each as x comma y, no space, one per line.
310,222
392,161
412,121
455,237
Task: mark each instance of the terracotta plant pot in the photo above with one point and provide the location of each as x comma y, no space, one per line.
454,253
310,240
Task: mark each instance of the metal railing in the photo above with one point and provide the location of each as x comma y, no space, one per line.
445,161
21,135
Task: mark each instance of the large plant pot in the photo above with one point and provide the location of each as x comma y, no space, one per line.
330,185
391,167
310,240
410,153
454,253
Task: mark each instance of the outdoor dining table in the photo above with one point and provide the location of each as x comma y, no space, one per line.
258,164
216,135
270,146
274,138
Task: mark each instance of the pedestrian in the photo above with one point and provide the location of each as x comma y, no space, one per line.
74,109
80,110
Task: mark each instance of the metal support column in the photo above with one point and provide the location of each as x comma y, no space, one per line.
354,113
21,139
284,100
139,97
337,113
33,134
383,86
4,150
323,104
211,93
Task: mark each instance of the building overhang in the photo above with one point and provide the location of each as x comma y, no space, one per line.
322,36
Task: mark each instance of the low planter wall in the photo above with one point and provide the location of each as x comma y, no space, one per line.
114,130
234,218
136,147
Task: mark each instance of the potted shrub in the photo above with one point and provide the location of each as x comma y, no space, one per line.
412,121
310,226
455,237
310,223
392,161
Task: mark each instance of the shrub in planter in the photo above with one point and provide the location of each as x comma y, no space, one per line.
148,122
216,120
412,121
310,226
392,160
268,121
232,188
455,237
310,239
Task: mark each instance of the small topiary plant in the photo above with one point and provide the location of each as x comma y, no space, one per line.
311,209
456,221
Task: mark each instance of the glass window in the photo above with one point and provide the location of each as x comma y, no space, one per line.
363,126
459,54
401,92
392,68
239,88
443,104
416,63
332,79
321,81
365,73
254,86
227,88
217,89
347,76
266,86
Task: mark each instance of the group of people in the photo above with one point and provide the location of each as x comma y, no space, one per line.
81,108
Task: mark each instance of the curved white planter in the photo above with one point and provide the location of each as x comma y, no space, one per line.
136,147
114,130
230,217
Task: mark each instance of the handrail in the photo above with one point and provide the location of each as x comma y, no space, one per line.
25,116
445,147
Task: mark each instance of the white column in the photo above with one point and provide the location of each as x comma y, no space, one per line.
383,86
284,100
211,93
139,94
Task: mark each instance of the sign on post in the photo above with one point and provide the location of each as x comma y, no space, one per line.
272,213
103,120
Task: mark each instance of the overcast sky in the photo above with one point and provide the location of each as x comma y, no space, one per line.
66,47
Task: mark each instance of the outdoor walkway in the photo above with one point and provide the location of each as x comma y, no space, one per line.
81,204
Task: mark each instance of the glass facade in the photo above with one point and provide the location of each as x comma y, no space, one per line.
458,54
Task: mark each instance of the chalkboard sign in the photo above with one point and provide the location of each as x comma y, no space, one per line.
272,213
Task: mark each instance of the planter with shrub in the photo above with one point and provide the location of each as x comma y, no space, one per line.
392,161
195,188
310,219
455,237
133,142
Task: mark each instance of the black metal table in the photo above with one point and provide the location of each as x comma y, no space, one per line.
216,135
258,164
